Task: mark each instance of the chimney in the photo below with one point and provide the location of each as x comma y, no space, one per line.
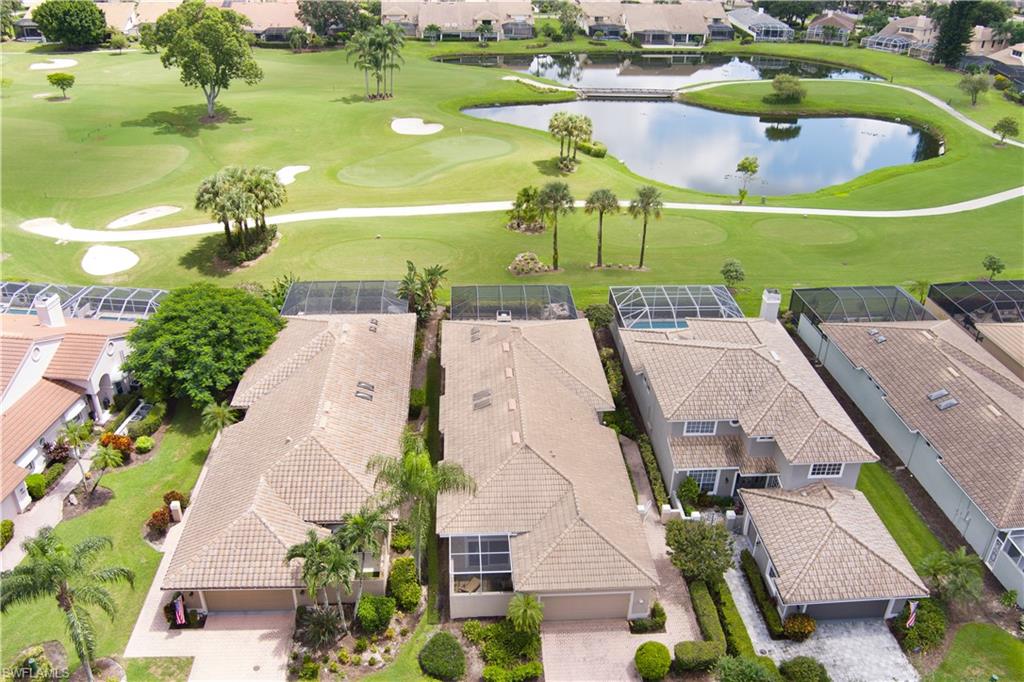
49,312
760,10
770,301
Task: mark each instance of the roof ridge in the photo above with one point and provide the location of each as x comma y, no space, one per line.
341,463
812,556
554,543
560,366
699,381
287,367
470,498
654,578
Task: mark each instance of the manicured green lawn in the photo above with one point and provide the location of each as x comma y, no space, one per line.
137,492
981,652
899,516
170,669
406,666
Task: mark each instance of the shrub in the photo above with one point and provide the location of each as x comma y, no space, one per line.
402,583
343,656
442,657
1001,82
417,399
122,444
144,444
57,452
787,89
319,627
521,673
706,612
389,633
742,669
407,596
401,539
1008,599
688,492
375,612
652,660
474,631
361,645
527,263
310,669
125,400
259,242
172,495
599,315
803,669
701,551
33,664
506,647
737,639
698,655
160,520
653,472
772,619
36,484
595,149
53,474
929,628
149,424
6,532
653,623
799,627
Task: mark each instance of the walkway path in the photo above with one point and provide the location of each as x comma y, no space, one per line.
48,227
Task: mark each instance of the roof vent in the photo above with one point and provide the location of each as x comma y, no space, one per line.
879,339
946,404
775,356
364,395
508,373
511,404
506,346
481,399
872,332
935,395
516,438
364,384
992,408
953,372
474,334
373,327
504,316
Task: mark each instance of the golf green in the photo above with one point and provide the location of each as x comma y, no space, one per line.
422,162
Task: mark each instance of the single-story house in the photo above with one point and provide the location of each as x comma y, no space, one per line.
687,23
915,36
1005,342
831,27
1009,62
552,514
331,392
126,17
761,26
28,31
53,370
269,21
506,20
823,551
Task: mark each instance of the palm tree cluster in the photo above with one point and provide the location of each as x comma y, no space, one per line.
419,288
239,197
378,51
570,129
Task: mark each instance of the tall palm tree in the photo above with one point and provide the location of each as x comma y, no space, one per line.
525,612
313,553
555,200
601,201
358,46
919,288
409,286
582,131
434,276
364,533
394,40
66,573
209,198
414,480
484,30
646,204
266,191
218,416
339,566
432,31
558,126
76,436
105,458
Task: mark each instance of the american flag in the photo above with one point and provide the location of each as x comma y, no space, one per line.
179,610
913,614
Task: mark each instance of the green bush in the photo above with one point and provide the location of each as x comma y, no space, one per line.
401,538
402,583
149,424
33,664
928,630
698,655
803,669
653,472
706,612
53,474
799,627
653,623
144,444
443,658
408,596
595,149
652,661
507,647
1001,82
737,639
599,315
172,495
36,484
417,399
764,600
521,673
310,669
375,612
474,631
126,400
742,669
6,532
1008,599
361,645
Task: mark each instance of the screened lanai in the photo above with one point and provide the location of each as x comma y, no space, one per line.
888,43
980,301
81,301
667,306
513,302
336,298
856,304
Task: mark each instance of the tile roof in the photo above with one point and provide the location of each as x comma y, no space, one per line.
1007,56
981,439
263,15
552,478
681,17
457,16
717,452
299,456
748,370
837,19
751,17
828,544
1007,336
29,327
918,23
12,353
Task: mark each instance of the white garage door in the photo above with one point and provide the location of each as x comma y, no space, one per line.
586,606
249,600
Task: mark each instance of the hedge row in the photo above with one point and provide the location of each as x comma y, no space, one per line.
764,600
149,424
595,149
702,655
737,639
706,611
653,472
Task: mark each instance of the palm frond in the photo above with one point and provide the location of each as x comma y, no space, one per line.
21,586
114,574
94,595
78,624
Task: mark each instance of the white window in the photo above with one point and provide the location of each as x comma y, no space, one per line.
481,563
699,428
706,478
765,439
827,470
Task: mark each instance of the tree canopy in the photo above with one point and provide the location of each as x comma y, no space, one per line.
701,551
200,341
954,34
1006,127
327,17
75,23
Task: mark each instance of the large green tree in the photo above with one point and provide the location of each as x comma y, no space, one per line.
701,551
209,46
327,17
8,8
75,23
200,341
954,34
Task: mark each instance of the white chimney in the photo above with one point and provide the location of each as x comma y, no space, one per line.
771,299
49,312
760,10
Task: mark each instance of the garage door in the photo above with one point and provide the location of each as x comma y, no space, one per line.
850,609
249,600
586,606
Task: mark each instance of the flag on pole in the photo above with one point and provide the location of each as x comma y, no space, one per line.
913,614
179,610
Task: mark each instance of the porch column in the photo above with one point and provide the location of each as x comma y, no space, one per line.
202,601
888,609
97,408
295,599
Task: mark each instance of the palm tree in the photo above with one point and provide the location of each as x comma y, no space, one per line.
558,126
434,275
76,436
582,130
363,532
339,565
298,38
266,190
313,552
646,204
53,569
358,46
525,612
555,200
105,458
919,288
209,198
601,201
484,30
409,286
955,575
218,416
393,41
432,31
414,480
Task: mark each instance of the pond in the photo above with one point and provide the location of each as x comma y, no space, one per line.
697,148
636,70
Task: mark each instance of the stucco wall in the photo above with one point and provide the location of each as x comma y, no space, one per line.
478,605
1009,575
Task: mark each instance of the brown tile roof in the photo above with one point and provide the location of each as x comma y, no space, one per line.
76,357
546,470
981,439
28,327
24,421
922,25
828,544
457,16
717,452
1007,336
746,369
1007,57
299,456
681,17
82,342
12,353
837,19
264,15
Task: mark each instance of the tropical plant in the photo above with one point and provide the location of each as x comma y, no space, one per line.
326,563
525,212
118,41
647,204
483,31
363,532
319,627
554,201
105,458
955,575
919,288
701,551
415,481
559,126
218,416
787,89
1005,127
359,48
993,265
433,32
1008,599
66,573
61,81
747,168
298,38
76,435
732,272
391,39
525,612
581,129
601,201
419,288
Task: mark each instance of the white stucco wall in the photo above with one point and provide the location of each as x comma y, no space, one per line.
29,372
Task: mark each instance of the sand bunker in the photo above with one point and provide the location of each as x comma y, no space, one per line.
44,95
106,260
142,216
53,64
287,174
415,126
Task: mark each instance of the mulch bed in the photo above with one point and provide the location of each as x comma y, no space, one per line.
86,501
102,669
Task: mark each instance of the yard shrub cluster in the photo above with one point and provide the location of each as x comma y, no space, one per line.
144,444
53,474
149,424
122,444
57,452
702,655
504,648
743,669
259,242
6,532
595,149
652,661
159,521
612,372
417,399
402,583
737,639
172,495
764,600
401,538
929,628
799,627
599,315
36,484
525,672
375,612
701,551
36,663
653,472
653,623
803,669
443,658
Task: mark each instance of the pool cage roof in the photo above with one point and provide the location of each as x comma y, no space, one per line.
513,302
651,306
888,42
980,301
337,298
857,304
78,301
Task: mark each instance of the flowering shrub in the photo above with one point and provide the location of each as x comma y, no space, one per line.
173,495
121,443
160,520
799,627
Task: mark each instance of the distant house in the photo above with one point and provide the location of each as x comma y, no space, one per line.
761,26
462,20
985,41
914,36
831,28
127,17
28,31
270,21
681,24
1009,62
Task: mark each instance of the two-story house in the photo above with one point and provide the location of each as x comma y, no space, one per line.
914,35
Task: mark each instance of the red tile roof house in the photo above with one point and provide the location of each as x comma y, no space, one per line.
53,370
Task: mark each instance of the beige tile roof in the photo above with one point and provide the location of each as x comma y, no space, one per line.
922,25
118,14
1007,336
76,357
828,544
148,11
546,470
837,19
264,15
682,17
12,353
1007,57
299,456
457,16
981,440
746,369
717,452
28,327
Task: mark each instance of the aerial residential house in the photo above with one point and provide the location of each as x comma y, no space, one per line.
28,31
1009,62
831,28
682,24
269,21
331,392
986,41
914,36
760,26
462,20
950,411
552,514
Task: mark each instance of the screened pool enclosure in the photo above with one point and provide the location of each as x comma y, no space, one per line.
336,298
856,304
81,301
668,306
513,302
980,301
